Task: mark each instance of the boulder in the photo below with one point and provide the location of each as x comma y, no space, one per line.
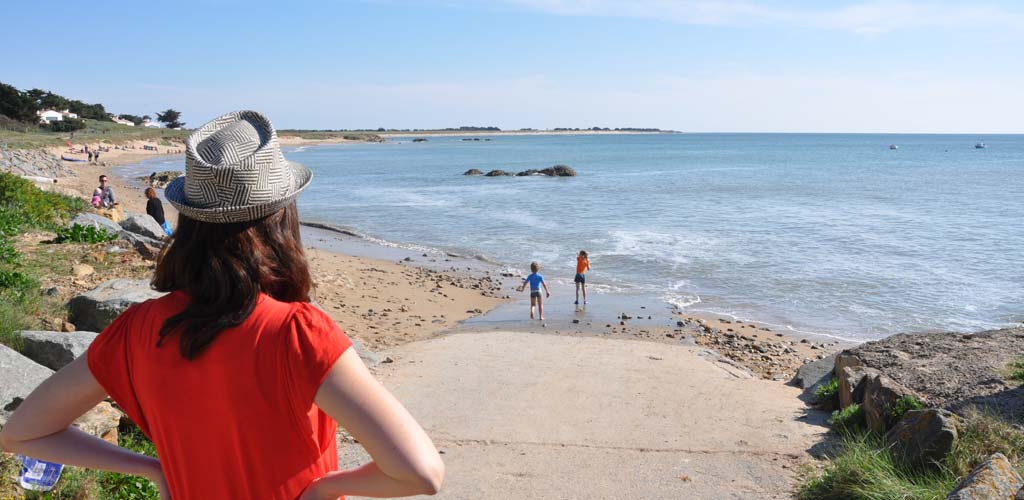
159,180
97,221
97,308
880,392
18,376
531,171
924,437
559,171
55,349
852,380
953,371
101,421
473,171
147,247
497,173
144,225
814,374
994,479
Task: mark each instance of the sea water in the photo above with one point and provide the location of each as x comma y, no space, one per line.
834,234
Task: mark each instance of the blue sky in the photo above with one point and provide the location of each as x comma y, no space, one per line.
752,66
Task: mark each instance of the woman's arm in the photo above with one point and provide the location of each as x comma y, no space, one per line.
405,461
41,427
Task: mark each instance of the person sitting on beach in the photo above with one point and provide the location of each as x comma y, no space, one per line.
536,281
582,266
155,209
106,194
235,375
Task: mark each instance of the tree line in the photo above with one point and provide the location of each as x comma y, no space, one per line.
22,106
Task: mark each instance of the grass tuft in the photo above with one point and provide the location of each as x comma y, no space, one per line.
865,468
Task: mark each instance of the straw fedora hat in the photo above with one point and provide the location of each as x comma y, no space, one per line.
235,172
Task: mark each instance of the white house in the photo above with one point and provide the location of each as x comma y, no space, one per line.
68,114
49,116
149,124
123,121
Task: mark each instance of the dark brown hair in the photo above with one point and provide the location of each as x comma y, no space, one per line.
224,267
535,267
150,193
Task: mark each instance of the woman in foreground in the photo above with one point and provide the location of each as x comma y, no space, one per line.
233,374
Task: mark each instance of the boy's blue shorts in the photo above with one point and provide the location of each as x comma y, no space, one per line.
580,278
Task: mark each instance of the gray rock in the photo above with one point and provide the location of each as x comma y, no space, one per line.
994,479
880,392
497,173
924,437
147,247
18,377
813,375
97,308
144,225
953,371
1020,494
473,171
54,350
559,171
34,163
97,221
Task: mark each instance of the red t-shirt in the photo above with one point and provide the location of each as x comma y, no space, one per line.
239,421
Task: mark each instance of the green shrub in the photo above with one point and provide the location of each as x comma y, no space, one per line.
1017,370
23,205
849,420
828,393
15,280
67,125
902,405
8,255
84,234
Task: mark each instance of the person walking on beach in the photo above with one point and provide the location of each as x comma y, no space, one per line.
234,374
105,194
536,281
155,209
582,266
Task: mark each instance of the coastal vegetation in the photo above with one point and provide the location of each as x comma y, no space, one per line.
864,466
24,211
20,127
828,394
1017,370
25,207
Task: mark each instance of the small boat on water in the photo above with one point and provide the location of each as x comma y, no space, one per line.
893,146
980,145
65,158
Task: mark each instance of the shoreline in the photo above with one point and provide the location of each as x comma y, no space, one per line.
768,352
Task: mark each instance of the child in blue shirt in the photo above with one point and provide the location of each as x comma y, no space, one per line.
536,281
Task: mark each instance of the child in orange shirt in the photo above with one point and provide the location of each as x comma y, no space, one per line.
582,266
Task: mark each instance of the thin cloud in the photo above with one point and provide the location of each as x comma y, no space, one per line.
866,18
